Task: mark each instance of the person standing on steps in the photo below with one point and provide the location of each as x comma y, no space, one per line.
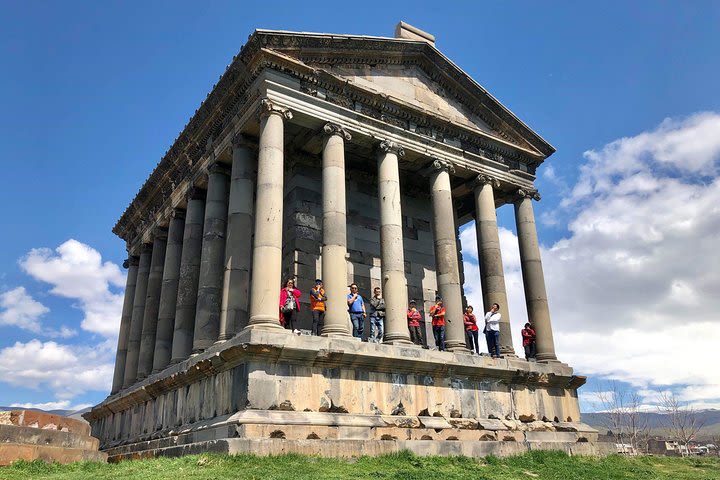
289,305
471,329
317,305
528,336
377,317
413,318
437,312
356,308
492,330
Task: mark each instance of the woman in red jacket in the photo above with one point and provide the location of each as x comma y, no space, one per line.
471,329
289,304
413,318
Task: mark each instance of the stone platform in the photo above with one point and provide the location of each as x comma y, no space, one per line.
269,392
32,435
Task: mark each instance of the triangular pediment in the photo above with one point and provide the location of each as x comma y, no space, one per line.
413,73
409,84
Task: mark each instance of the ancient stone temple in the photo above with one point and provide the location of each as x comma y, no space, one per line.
351,159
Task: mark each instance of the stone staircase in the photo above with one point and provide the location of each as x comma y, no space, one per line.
32,435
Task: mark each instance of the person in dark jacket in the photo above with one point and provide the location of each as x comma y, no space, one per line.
377,316
528,336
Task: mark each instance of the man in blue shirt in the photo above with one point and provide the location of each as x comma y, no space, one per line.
356,307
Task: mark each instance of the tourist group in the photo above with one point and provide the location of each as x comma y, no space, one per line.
359,308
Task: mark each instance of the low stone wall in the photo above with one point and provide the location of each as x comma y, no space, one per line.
271,385
31,435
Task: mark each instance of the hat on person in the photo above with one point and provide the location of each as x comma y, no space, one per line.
438,298
413,302
317,280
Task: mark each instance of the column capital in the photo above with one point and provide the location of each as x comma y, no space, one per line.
196,193
160,232
178,213
330,129
131,261
532,194
484,179
243,140
442,165
146,248
268,107
388,146
219,167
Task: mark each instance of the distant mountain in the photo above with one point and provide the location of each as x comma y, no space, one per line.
656,421
64,413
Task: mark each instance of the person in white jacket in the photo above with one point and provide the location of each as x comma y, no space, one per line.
492,330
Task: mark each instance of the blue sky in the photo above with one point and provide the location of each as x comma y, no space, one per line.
93,94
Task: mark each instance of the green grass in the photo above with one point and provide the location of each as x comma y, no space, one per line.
532,466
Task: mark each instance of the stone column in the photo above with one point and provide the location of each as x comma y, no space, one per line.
209,301
152,304
394,283
138,312
490,259
168,294
334,249
446,255
532,273
238,247
267,245
184,328
132,265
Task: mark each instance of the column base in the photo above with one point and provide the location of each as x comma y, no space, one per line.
404,341
456,347
546,358
263,323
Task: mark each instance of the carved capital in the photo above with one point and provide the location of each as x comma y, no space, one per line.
196,193
267,107
484,179
178,213
446,165
146,248
132,261
388,146
242,140
335,129
531,194
219,167
160,233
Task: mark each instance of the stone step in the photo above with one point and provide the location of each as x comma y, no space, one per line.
46,437
12,452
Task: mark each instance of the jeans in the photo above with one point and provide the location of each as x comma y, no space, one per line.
358,323
376,329
472,337
439,334
493,342
318,321
289,319
415,335
529,351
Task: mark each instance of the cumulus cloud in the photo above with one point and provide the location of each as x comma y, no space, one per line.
76,271
19,309
64,370
633,288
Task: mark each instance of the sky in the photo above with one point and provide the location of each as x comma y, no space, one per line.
94,93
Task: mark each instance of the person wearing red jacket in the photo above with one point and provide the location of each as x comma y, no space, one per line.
471,329
528,336
437,312
289,304
413,318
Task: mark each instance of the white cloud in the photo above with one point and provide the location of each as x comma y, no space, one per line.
76,271
62,405
633,289
19,309
64,370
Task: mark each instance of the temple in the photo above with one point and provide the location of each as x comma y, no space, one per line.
351,159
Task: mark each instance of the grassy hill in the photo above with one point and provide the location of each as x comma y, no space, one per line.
535,465
657,422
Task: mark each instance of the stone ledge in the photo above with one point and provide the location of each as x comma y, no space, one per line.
46,437
356,448
335,352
